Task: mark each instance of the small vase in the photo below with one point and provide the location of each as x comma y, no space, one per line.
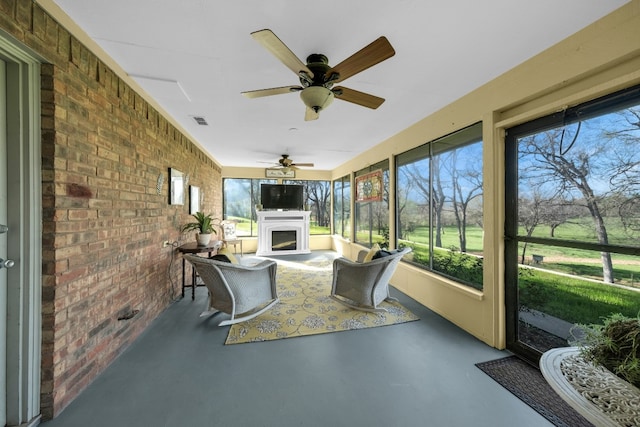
203,239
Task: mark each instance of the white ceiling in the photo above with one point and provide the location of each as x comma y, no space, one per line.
194,57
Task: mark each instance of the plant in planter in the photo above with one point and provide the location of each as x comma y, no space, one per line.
204,225
614,344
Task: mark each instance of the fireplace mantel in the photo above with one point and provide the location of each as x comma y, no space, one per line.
283,232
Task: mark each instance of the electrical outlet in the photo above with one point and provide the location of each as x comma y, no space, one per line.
166,243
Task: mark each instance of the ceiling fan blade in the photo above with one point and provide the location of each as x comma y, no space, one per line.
273,44
357,97
311,115
368,56
272,91
307,165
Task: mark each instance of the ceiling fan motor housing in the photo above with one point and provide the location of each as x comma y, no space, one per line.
319,66
316,93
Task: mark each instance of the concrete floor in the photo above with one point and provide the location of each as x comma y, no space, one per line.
180,373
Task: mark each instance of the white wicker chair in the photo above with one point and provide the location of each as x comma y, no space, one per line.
243,292
364,285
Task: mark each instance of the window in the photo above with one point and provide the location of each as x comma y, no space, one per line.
439,205
372,217
240,198
573,219
342,207
241,195
317,200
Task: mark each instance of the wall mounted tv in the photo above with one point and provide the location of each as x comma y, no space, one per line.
282,196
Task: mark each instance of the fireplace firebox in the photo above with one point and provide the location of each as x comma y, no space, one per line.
283,240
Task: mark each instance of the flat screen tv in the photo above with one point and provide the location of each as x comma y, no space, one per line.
281,196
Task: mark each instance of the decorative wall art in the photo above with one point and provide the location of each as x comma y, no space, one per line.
176,187
279,173
369,187
194,199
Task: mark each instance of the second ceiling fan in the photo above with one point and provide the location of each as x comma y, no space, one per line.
317,77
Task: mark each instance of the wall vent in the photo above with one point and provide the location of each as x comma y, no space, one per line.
200,120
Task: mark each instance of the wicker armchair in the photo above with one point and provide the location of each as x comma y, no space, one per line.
364,285
241,291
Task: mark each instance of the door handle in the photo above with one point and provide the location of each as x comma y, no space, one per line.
7,263
3,228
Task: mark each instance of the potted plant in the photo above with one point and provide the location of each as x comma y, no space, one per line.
614,344
204,225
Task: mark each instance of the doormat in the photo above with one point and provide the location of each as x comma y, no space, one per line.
527,383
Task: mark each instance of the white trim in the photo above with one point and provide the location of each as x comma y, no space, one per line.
24,239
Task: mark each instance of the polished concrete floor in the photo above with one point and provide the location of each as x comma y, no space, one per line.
180,373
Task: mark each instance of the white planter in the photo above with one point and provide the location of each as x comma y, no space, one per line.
203,239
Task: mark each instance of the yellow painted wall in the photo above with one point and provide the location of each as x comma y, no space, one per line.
598,60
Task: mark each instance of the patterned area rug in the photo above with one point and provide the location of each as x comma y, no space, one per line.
305,308
527,383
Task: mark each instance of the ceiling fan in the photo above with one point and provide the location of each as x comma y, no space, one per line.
317,77
286,164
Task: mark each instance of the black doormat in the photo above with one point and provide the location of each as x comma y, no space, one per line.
527,383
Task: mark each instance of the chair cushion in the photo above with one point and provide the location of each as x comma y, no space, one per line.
383,253
227,253
374,249
222,258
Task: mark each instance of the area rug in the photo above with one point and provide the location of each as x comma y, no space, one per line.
527,383
305,308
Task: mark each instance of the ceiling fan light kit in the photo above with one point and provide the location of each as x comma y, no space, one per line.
317,97
317,77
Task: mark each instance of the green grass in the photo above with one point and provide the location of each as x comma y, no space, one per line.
449,236
574,300
243,227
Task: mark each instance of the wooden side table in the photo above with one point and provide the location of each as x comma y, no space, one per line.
194,248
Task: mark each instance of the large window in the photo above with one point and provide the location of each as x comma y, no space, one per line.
372,217
342,207
439,205
241,195
573,220
317,198
240,198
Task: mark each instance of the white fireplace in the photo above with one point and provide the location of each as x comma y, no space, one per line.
283,232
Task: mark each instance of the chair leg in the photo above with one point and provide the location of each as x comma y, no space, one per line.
360,307
249,316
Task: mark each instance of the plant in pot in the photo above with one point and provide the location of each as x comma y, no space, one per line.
204,225
614,344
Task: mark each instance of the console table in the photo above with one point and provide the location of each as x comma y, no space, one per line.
597,394
194,248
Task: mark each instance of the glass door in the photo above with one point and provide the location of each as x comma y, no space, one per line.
573,221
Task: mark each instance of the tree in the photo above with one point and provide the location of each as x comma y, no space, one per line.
561,162
529,217
467,185
318,197
404,189
625,179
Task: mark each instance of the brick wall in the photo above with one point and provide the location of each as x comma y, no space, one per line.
103,151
